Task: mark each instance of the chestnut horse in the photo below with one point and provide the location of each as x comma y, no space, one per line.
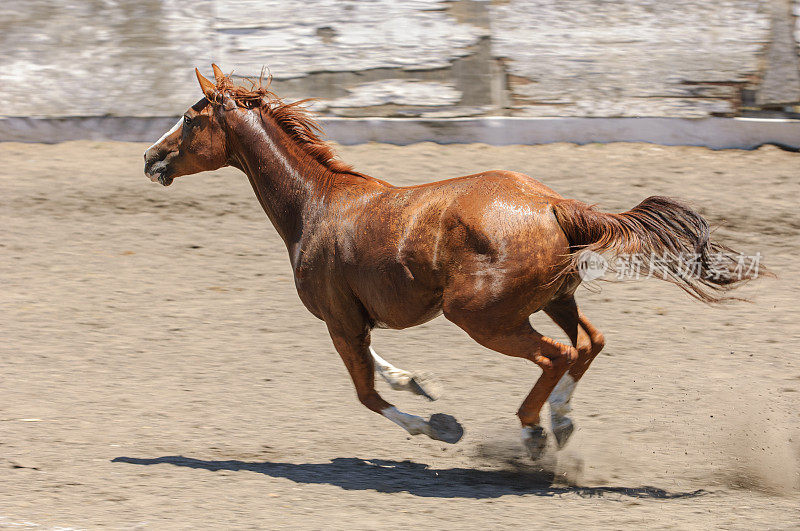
486,250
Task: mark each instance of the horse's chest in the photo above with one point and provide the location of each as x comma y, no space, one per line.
310,283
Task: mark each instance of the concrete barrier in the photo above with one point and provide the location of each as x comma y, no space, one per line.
714,133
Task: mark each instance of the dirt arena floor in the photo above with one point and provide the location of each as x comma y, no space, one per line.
159,371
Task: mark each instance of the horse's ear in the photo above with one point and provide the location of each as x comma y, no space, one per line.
208,88
218,75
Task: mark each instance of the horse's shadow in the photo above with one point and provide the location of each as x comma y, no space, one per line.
352,473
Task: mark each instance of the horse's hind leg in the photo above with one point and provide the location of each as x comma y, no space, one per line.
352,344
589,342
401,380
521,340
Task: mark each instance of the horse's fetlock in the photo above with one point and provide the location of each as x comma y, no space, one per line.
372,400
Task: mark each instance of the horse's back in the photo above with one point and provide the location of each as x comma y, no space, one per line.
486,181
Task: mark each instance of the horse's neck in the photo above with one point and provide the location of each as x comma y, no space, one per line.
287,188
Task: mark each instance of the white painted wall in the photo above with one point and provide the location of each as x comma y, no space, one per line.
415,58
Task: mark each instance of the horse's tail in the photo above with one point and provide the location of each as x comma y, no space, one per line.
662,238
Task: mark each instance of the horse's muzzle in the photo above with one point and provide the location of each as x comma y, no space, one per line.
160,177
157,171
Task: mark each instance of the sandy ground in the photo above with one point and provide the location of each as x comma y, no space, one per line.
159,371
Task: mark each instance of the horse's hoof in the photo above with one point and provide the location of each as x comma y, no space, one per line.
445,428
535,440
563,431
421,385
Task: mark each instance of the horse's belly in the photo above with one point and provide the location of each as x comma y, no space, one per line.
400,301
406,319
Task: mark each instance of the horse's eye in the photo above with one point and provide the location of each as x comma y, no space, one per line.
187,121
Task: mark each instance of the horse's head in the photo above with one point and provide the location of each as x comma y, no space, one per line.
196,143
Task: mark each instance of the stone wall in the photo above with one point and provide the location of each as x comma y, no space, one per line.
411,58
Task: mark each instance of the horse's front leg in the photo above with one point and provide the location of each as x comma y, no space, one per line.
402,380
352,344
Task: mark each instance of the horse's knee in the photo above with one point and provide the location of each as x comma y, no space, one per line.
559,360
567,359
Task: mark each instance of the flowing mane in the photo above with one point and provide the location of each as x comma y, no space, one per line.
293,118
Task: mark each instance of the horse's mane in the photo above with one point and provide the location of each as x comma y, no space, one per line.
293,118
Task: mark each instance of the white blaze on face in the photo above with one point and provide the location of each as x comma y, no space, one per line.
165,135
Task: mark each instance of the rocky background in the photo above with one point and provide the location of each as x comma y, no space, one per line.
429,58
